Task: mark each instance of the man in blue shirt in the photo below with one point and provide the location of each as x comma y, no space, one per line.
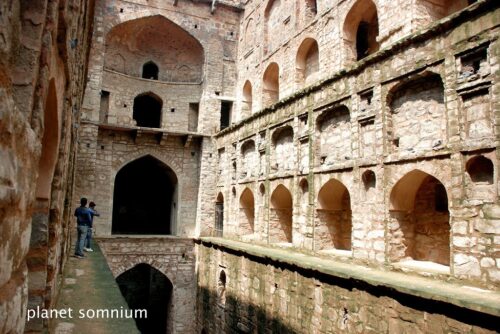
93,213
83,221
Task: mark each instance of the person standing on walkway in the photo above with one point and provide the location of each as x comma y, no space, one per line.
93,213
83,221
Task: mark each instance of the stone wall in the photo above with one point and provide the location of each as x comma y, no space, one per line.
240,292
173,257
43,63
401,134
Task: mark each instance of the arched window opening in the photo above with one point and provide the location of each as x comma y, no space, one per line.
271,87
221,288
144,200
280,220
361,30
150,71
334,218
147,110
307,62
480,170
219,215
420,227
247,212
304,186
146,288
246,107
262,189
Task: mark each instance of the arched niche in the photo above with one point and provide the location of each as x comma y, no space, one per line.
420,226
280,220
145,198
246,105
247,212
480,170
271,85
219,215
333,228
307,62
282,149
157,39
418,114
249,159
333,129
361,30
147,110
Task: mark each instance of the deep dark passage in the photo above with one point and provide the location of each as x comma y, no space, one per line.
143,198
144,287
147,111
150,71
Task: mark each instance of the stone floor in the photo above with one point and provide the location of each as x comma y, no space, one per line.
89,286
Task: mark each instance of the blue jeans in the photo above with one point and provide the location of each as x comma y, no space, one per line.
88,238
80,241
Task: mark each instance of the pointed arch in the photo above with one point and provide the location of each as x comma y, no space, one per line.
361,30
145,198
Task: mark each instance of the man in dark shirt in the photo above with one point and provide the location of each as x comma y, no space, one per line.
93,213
83,221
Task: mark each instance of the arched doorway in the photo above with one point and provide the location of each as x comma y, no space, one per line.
145,198
420,219
146,288
307,62
147,110
333,226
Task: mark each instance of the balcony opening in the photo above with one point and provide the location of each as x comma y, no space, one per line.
147,110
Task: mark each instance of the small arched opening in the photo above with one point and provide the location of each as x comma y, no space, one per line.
221,288
307,62
146,288
480,170
334,217
420,219
219,215
147,110
361,30
145,198
150,71
271,86
280,220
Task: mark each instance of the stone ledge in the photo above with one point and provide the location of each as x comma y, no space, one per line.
468,297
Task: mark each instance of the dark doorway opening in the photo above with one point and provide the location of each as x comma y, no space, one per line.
150,71
144,200
147,110
146,288
225,114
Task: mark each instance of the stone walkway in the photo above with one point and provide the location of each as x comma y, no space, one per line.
89,286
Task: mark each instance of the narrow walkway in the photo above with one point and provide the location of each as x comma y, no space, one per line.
89,286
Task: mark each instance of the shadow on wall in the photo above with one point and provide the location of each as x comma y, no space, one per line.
232,314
